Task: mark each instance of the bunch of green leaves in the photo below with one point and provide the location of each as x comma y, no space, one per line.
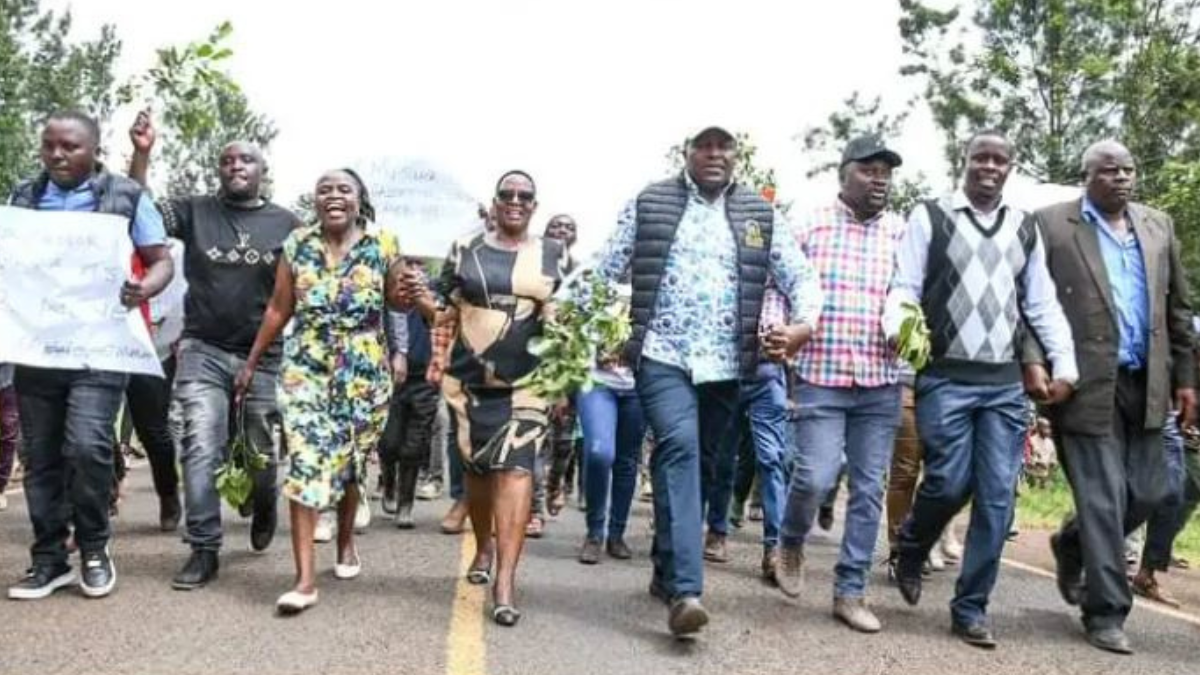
235,477
593,328
913,344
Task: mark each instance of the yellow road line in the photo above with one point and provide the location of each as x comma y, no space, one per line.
1144,604
465,649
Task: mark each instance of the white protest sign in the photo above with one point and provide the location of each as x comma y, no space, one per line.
60,279
423,205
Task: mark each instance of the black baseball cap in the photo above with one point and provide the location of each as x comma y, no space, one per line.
867,147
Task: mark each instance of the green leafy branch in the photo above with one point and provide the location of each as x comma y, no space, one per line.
235,477
913,344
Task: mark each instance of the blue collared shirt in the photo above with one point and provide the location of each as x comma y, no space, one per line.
147,227
1127,276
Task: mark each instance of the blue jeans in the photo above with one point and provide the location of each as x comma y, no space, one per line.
687,419
613,427
764,406
1168,518
204,393
973,435
861,423
68,420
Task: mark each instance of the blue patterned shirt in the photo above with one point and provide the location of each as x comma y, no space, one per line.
695,322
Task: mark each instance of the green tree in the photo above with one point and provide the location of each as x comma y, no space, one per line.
41,71
1058,75
201,108
823,144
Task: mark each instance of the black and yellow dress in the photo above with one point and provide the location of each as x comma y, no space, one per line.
494,302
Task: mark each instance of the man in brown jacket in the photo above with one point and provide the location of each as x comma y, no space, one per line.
1117,270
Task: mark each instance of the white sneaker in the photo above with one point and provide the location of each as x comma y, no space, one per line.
324,531
952,550
936,562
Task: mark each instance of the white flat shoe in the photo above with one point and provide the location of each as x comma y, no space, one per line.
348,571
294,602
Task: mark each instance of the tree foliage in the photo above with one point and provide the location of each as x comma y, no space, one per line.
1058,75
201,109
857,117
41,71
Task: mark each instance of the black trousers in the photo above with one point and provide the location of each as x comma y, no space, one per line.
409,432
148,400
1117,480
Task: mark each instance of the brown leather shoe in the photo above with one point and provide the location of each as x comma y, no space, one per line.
770,564
1146,585
589,553
790,576
455,519
716,549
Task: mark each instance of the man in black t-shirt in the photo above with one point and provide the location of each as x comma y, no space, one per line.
233,240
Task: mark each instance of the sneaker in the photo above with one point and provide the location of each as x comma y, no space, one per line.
40,581
99,575
936,562
952,550
324,530
429,491
201,567
687,617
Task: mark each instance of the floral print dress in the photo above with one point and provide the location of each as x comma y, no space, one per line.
334,384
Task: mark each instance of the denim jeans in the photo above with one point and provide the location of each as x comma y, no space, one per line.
204,392
763,406
1167,520
687,419
859,422
68,420
613,428
973,435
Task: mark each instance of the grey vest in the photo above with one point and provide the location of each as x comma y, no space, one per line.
115,195
660,208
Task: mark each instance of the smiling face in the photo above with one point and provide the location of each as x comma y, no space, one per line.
240,169
68,152
989,161
336,199
514,204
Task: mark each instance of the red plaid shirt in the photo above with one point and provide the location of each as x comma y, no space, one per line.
855,261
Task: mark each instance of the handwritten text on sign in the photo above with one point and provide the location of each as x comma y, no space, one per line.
60,278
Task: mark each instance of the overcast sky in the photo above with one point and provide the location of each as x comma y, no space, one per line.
586,96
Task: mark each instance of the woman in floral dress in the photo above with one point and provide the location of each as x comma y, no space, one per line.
335,383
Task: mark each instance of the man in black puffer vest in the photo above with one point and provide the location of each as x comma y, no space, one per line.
700,248
68,416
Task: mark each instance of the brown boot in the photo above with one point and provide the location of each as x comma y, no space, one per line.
1145,585
770,564
716,549
455,520
790,574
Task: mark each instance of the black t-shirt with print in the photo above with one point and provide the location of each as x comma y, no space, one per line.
230,264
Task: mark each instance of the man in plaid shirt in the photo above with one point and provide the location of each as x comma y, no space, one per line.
848,396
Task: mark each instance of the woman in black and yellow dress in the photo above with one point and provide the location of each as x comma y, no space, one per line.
495,292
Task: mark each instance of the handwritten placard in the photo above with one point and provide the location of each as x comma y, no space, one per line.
423,204
60,278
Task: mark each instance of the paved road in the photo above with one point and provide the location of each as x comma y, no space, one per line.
408,613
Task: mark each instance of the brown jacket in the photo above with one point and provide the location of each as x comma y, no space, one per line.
1073,256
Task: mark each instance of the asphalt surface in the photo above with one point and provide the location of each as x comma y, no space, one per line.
399,616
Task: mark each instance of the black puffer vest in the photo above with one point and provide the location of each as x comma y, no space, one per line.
115,195
660,208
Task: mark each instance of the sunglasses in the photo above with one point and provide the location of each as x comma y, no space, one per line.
525,197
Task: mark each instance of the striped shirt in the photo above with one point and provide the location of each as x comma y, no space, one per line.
854,259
